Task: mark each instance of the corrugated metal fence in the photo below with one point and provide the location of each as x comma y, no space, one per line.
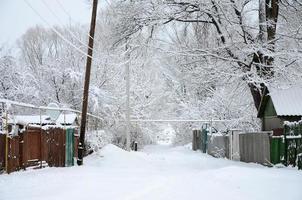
255,147
246,147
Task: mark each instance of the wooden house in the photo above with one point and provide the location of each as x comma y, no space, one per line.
278,106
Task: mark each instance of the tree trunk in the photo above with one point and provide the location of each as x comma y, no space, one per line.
268,17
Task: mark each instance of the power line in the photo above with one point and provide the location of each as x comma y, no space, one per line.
54,30
26,105
64,39
59,20
67,13
86,84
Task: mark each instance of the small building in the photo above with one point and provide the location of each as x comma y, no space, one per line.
278,106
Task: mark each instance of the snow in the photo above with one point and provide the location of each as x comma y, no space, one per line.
157,172
287,101
293,136
30,119
67,118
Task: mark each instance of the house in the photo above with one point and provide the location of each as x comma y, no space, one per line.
280,105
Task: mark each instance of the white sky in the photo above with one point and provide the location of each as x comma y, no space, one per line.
16,16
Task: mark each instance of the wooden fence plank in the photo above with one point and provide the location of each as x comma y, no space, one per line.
32,147
13,154
2,151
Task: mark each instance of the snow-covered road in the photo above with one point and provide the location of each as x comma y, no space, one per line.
158,172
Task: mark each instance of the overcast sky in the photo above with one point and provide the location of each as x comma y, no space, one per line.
16,16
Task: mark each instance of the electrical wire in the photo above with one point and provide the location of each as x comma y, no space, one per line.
57,32
67,13
60,21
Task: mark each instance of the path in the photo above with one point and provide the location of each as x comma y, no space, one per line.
158,172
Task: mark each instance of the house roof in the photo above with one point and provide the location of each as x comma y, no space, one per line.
45,119
286,101
67,118
30,119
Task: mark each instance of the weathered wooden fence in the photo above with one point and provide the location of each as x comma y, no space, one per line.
13,156
2,152
32,148
55,147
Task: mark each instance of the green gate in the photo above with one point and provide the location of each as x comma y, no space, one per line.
287,149
69,153
277,149
293,143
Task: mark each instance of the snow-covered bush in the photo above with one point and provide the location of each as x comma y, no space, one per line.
97,139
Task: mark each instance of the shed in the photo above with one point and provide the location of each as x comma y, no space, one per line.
279,105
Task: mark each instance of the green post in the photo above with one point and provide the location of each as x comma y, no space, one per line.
286,131
204,138
69,147
299,161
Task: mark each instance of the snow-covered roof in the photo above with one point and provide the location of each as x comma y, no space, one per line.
287,102
45,119
29,119
66,118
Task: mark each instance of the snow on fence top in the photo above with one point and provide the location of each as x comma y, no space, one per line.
292,124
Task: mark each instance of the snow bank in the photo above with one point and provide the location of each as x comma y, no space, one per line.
159,172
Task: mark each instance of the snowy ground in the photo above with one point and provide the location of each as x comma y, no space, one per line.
158,172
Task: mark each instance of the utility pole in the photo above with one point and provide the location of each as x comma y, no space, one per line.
86,84
127,98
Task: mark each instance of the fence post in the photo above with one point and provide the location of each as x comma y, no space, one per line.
41,142
285,145
231,145
135,146
204,139
6,140
196,140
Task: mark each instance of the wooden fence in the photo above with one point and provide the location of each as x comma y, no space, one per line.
34,147
2,152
